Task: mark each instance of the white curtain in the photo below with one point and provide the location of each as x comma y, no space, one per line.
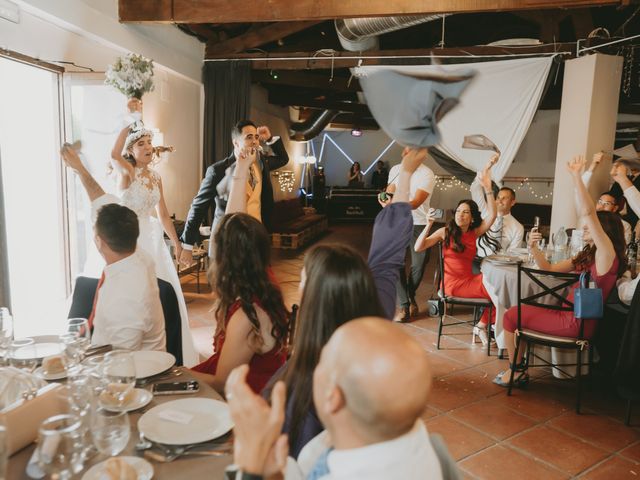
500,103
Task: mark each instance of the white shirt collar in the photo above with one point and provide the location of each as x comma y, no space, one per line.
119,266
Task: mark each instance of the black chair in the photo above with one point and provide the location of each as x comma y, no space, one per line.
552,285
82,304
445,300
172,320
84,292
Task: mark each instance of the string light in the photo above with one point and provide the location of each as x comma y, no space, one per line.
450,183
286,180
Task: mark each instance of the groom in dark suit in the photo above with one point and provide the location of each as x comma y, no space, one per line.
244,135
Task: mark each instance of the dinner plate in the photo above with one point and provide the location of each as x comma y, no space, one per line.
38,351
504,259
141,398
151,362
50,376
186,421
143,468
518,251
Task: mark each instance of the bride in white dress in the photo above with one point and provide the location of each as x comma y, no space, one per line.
140,190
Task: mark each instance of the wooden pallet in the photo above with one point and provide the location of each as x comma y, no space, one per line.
300,239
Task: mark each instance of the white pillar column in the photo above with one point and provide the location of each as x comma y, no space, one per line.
588,116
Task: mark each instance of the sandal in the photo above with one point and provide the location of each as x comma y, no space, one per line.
519,381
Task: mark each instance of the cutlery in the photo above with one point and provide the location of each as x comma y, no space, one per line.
175,372
171,456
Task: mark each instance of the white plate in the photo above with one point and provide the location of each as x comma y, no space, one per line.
142,467
151,362
51,376
205,419
504,259
518,251
141,397
38,351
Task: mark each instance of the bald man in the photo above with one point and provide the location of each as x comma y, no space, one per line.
371,433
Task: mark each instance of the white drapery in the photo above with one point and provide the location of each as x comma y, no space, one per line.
500,103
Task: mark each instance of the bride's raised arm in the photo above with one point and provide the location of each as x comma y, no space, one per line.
120,164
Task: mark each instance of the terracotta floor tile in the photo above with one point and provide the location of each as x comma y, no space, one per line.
535,405
461,440
561,450
632,452
614,468
459,389
493,419
497,463
441,365
602,431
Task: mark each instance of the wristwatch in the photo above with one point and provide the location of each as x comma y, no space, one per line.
233,472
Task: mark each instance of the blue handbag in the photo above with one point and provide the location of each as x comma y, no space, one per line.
587,302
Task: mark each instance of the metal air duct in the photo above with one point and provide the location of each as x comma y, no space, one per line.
311,127
359,34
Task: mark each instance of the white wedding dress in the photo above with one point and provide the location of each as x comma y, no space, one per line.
142,196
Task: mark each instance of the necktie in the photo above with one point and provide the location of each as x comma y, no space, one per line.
496,229
321,467
95,302
491,241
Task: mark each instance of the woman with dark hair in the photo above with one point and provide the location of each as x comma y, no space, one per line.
604,258
459,248
336,286
252,320
356,179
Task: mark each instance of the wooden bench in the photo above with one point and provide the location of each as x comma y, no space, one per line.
292,228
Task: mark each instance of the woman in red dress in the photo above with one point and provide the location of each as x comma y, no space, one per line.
604,258
459,247
252,320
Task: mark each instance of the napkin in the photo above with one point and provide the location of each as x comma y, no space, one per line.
479,142
14,383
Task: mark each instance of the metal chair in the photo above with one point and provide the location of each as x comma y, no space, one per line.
553,284
445,300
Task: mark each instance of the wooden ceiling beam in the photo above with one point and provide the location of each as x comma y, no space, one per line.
293,99
224,11
255,38
307,80
341,59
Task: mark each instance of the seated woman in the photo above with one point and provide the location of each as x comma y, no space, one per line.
604,258
338,286
459,248
252,320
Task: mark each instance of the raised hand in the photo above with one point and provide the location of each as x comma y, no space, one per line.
412,158
246,157
257,424
71,158
134,105
534,238
619,173
596,160
575,166
264,133
186,257
485,175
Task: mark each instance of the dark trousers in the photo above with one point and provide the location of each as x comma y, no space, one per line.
407,286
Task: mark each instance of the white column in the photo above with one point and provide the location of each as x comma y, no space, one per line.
588,116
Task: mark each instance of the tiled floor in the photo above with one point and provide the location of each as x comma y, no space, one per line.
533,434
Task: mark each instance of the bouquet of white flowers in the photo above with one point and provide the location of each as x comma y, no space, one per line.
132,75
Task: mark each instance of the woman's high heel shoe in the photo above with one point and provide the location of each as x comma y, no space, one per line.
520,379
481,333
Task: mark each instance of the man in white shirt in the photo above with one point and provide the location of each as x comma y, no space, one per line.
506,232
422,184
372,432
127,312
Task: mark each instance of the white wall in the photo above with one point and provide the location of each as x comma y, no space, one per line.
88,33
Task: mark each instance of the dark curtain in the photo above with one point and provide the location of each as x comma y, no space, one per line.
226,101
450,165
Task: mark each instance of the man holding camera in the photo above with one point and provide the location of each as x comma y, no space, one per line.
422,184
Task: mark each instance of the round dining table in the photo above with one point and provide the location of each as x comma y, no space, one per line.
192,467
500,278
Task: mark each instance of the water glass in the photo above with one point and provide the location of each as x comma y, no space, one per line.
23,354
110,431
78,395
60,447
118,376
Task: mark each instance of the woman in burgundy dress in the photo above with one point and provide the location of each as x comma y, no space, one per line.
459,248
252,320
604,258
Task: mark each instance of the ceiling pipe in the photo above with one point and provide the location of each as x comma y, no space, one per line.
311,127
360,34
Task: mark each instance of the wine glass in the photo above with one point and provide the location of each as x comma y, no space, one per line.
60,448
23,354
78,396
110,431
76,339
118,376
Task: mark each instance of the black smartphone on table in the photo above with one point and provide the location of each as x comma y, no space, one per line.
176,388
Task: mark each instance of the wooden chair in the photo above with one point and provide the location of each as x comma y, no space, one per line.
552,285
445,300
